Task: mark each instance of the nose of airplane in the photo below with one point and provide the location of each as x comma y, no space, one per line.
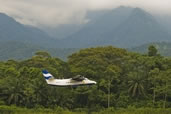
94,82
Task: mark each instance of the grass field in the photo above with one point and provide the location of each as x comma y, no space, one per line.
58,110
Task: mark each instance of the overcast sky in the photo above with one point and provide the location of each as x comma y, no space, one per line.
55,12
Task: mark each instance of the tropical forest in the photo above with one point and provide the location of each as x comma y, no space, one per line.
127,83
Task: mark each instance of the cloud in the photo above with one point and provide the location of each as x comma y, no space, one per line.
55,12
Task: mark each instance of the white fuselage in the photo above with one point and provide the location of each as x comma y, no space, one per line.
69,82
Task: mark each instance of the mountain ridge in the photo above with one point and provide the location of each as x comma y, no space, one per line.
11,30
123,27
138,26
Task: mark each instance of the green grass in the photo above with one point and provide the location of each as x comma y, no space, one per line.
58,110
135,111
17,110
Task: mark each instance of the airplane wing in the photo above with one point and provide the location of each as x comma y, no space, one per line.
78,78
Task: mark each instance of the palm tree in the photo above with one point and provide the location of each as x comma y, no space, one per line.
11,89
136,84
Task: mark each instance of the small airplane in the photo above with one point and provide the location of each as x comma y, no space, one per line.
75,81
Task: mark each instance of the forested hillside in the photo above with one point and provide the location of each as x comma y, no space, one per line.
21,51
164,48
124,79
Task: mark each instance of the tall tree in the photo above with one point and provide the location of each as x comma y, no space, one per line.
152,51
112,73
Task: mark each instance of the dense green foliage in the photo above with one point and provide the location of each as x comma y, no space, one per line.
124,80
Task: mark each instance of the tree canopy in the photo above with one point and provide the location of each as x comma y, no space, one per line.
123,79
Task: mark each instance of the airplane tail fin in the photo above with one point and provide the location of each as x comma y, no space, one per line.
47,75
